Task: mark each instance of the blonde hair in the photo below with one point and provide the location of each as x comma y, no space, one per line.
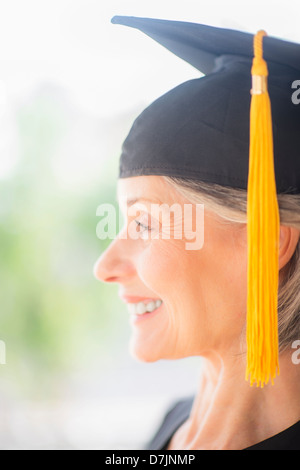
231,205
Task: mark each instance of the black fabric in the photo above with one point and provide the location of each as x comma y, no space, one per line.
175,417
288,439
200,45
200,129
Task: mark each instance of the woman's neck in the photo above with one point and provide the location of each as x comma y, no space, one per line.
228,413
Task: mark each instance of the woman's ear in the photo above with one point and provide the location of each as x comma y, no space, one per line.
289,238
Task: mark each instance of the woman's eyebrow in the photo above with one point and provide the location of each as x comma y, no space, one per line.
132,201
129,202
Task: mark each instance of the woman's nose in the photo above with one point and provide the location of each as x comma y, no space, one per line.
114,264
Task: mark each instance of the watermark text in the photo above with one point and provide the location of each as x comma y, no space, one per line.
296,354
154,221
296,93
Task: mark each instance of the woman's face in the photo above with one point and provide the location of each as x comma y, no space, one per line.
203,290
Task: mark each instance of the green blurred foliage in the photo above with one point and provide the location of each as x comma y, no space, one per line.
54,314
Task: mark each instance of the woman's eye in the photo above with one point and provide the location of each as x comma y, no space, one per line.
142,226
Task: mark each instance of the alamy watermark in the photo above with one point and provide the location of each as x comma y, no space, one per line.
296,353
155,221
296,93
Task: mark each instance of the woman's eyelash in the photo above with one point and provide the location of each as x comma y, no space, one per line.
139,224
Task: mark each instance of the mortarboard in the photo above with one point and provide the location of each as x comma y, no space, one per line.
200,130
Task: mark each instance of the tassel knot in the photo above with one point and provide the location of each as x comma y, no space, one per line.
259,66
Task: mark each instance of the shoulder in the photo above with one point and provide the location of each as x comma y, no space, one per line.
177,413
289,439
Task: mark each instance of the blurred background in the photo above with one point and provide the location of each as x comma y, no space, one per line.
71,84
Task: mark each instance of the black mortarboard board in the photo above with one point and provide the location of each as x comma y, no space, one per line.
200,129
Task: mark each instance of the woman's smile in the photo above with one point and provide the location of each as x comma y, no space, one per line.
141,311
140,308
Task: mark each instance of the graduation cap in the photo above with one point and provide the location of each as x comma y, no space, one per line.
238,127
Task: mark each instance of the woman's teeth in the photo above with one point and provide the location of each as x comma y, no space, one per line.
140,308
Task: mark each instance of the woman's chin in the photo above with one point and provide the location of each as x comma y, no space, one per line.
142,353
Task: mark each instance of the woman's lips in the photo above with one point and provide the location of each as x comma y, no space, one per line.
135,299
139,317
141,307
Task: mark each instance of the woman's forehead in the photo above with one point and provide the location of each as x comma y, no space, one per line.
151,187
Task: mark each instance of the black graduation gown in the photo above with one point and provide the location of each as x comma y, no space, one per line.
289,439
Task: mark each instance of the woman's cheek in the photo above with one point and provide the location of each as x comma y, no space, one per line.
158,262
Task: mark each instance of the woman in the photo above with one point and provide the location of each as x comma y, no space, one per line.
191,147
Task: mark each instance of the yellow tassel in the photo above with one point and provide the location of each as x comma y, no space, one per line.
263,232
